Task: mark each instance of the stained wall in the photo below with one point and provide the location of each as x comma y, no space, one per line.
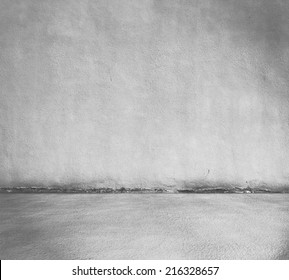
144,90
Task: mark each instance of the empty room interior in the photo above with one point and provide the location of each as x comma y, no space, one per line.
144,129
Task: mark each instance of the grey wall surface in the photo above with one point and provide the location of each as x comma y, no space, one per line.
144,89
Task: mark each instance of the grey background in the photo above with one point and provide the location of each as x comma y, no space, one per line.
144,90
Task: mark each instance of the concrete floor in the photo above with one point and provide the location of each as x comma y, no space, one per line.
144,226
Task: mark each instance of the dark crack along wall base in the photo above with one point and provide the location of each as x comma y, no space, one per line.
144,90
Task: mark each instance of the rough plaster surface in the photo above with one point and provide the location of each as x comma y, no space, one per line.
49,226
144,90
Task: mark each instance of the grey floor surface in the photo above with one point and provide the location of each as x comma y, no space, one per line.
144,226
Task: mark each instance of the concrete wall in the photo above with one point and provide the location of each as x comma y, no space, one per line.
144,89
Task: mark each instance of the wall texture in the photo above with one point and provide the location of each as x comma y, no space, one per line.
144,90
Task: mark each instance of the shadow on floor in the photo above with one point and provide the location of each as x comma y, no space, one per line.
285,254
